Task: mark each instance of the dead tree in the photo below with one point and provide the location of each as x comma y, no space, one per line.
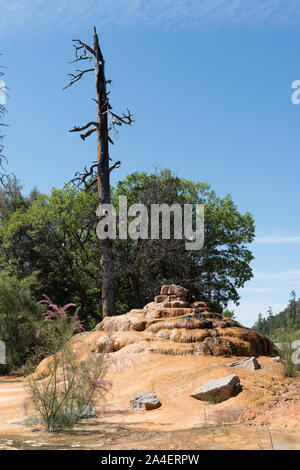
106,121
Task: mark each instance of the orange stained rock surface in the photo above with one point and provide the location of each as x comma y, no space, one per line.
173,379
171,347
174,325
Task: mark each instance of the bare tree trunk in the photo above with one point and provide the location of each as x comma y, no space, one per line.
137,292
103,181
85,52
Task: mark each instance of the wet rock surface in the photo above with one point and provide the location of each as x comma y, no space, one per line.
119,437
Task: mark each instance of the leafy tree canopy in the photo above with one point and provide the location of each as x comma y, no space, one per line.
284,322
214,273
54,235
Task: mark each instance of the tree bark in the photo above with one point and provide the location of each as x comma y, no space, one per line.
103,181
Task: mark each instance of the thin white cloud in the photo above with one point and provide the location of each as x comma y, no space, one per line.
288,277
258,290
273,239
15,14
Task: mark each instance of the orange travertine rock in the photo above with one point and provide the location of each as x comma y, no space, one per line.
174,289
171,325
186,328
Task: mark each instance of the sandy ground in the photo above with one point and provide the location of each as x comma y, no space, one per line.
267,399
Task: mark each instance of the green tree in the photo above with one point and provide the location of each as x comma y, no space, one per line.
12,199
282,323
55,236
19,319
293,305
213,273
259,324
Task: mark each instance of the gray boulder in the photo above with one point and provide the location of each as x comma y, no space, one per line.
145,401
250,363
216,391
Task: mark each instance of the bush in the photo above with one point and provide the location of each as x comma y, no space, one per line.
228,313
19,319
75,377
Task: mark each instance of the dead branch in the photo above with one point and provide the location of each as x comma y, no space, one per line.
75,78
88,186
81,51
89,132
115,165
79,129
81,177
119,120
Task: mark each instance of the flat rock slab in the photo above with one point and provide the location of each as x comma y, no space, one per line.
250,363
216,391
145,401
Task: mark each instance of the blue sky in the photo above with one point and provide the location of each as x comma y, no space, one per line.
209,83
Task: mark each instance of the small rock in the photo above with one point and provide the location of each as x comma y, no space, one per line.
216,391
250,363
174,289
145,401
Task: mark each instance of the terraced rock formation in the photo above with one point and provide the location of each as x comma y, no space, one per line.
175,324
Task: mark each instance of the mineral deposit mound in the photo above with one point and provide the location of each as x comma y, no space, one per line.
172,324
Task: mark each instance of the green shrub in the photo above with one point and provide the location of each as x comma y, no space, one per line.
75,378
20,319
228,313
